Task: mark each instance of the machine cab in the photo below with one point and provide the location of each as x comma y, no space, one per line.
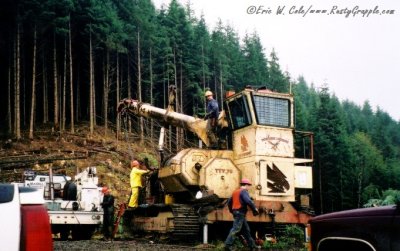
262,126
265,114
260,108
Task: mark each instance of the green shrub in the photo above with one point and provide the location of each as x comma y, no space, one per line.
292,239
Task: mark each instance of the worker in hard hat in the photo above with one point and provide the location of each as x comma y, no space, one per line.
136,183
108,209
212,114
238,204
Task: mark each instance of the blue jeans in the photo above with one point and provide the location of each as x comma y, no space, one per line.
239,222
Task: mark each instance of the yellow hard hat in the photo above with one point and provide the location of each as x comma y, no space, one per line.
208,93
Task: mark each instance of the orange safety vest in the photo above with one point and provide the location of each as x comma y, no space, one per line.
236,203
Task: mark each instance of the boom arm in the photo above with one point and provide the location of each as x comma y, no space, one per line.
195,125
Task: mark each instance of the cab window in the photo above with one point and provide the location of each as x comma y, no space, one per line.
239,111
272,111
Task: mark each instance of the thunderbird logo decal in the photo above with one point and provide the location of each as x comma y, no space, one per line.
277,181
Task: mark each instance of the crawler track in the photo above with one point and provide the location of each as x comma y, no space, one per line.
186,223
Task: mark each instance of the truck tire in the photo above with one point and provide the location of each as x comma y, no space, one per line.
82,232
64,234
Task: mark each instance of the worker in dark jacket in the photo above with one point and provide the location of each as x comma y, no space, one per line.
237,205
212,119
108,208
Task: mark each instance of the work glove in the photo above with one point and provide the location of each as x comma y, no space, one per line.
255,212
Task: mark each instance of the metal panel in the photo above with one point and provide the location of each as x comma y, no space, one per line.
274,142
303,177
277,178
244,144
220,175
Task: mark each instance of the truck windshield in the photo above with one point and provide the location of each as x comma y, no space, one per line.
6,193
272,111
240,114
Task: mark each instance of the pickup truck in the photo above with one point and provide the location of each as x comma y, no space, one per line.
24,219
366,229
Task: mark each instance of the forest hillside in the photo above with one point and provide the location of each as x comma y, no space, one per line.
66,64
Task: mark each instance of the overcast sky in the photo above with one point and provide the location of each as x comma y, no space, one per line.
358,57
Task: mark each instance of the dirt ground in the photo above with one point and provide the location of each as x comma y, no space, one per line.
131,245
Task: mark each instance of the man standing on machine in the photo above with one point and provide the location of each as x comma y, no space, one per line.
212,119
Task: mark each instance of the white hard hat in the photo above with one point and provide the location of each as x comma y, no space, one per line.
208,93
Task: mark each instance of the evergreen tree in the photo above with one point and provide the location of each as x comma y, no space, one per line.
277,81
255,61
219,61
330,153
236,77
302,98
367,167
201,59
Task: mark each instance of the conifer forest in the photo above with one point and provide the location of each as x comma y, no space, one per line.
64,63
